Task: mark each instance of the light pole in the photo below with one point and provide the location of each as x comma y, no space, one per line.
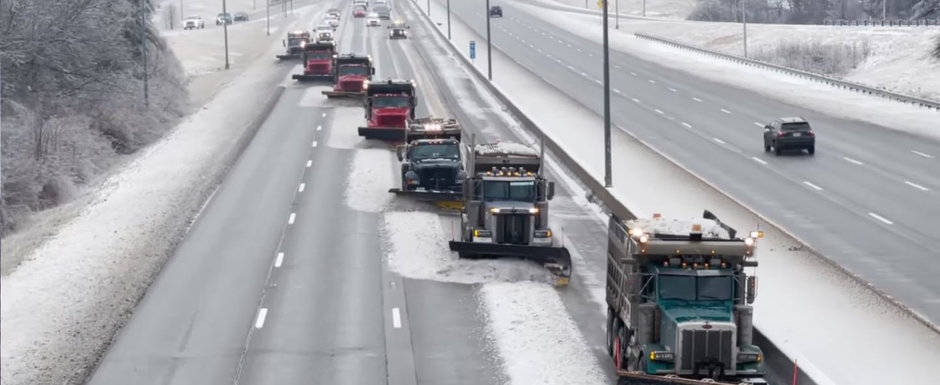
644,8
617,12
607,177
489,44
884,10
429,9
448,19
225,31
267,6
744,20
143,51
182,18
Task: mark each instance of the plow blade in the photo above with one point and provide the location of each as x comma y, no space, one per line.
556,259
395,134
310,78
430,196
288,57
640,378
344,94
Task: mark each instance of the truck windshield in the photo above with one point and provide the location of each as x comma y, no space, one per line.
293,42
435,151
390,101
692,288
319,55
509,191
352,70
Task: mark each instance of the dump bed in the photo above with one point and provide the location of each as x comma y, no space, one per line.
321,46
505,154
404,87
353,59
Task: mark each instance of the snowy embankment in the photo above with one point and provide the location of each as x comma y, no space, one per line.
812,311
61,307
898,59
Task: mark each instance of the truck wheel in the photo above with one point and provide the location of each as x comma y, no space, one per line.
619,362
777,150
811,150
610,331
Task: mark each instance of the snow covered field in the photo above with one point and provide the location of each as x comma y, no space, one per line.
810,309
666,9
62,305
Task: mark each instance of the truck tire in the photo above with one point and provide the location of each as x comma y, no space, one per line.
619,358
777,150
811,150
611,323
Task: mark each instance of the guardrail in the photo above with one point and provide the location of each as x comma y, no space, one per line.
882,23
920,102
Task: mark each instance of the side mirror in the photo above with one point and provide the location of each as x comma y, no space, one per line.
372,70
551,190
751,289
400,150
767,127
283,43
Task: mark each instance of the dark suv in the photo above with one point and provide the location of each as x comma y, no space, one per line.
496,11
789,133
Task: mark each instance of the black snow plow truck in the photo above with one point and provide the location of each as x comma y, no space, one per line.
679,302
432,162
505,212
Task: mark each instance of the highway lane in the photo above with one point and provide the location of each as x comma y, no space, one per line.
866,199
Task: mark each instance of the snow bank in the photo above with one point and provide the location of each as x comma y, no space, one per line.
370,176
344,133
710,229
536,338
418,249
505,148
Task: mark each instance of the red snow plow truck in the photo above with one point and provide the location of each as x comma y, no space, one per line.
294,45
389,105
318,61
350,74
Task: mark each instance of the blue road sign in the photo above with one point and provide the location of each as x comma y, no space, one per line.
473,49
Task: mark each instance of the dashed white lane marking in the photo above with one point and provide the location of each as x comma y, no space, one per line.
584,74
560,42
279,260
540,50
569,45
323,115
658,111
815,187
531,46
635,100
579,49
632,73
686,125
616,66
319,128
719,141
314,144
262,314
571,68
396,318
652,81
697,100
591,54
928,156
291,219
850,160
917,186
302,187
880,218
558,60
672,89
598,82
758,124
759,160
725,111
616,91
309,163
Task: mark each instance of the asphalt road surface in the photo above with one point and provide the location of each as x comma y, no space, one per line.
869,198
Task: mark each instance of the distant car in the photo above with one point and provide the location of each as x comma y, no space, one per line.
332,21
496,11
383,11
240,16
789,134
373,20
194,22
223,18
359,12
324,33
397,31
333,12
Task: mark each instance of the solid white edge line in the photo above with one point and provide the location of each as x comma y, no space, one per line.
928,156
301,187
917,186
880,218
759,160
279,260
719,140
291,219
810,184
309,163
262,315
396,318
686,125
850,160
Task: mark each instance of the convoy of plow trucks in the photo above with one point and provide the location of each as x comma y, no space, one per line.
678,297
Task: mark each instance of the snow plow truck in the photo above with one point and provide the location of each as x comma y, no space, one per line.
432,162
318,61
294,45
350,74
505,211
389,105
679,302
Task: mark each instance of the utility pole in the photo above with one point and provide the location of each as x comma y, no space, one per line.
744,20
644,8
617,12
429,9
143,51
607,177
182,18
448,19
489,44
225,31
884,10
267,11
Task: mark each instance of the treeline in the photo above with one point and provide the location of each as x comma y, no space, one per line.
814,11
72,96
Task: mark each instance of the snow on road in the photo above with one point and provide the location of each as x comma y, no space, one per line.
344,133
370,175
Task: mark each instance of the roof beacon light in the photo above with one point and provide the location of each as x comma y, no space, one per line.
757,234
636,231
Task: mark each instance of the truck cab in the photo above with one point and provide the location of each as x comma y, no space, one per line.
388,105
350,74
679,300
294,45
318,61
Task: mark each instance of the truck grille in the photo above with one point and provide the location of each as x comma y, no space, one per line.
391,120
513,228
438,178
351,85
700,346
320,68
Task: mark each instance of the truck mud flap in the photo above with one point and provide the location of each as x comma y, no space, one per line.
344,94
639,378
556,259
429,196
310,78
392,134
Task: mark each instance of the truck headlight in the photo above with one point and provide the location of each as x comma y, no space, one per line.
745,357
495,210
662,356
543,233
481,233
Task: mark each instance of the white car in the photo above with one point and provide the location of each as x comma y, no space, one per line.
324,33
194,22
332,21
373,20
